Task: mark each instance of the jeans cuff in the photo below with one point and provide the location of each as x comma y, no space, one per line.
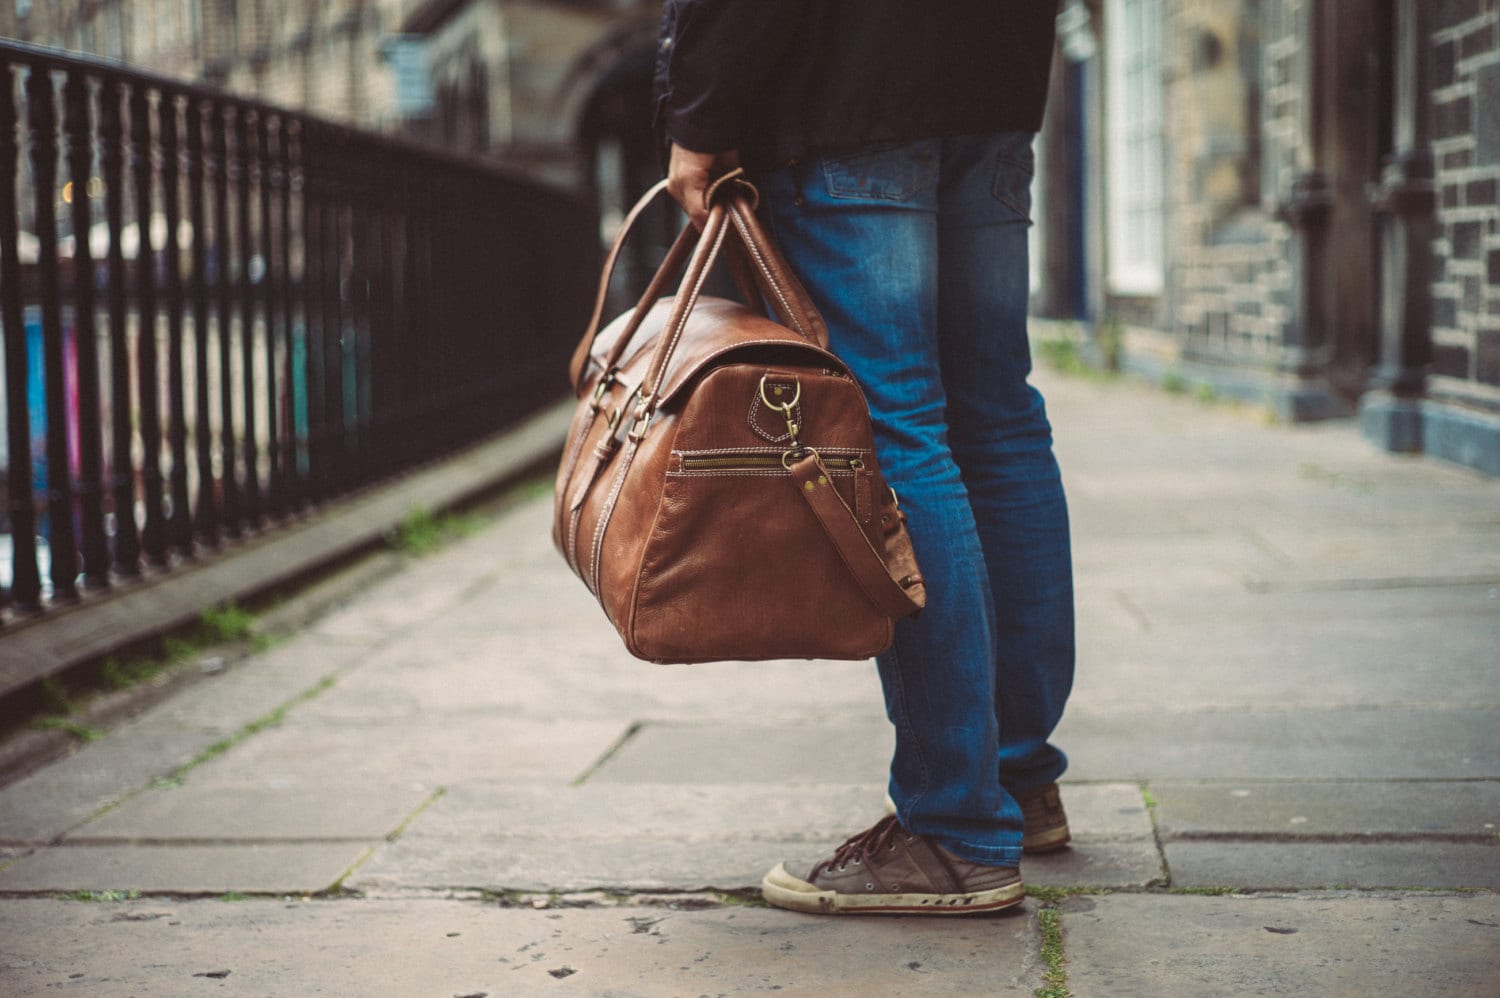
986,855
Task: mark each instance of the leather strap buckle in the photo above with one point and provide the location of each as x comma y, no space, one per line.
644,411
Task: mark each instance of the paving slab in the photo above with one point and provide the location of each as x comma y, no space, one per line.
262,811
428,750
42,806
1279,864
255,686
1086,863
579,670
1215,561
1106,811
1424,647
1387,743
637,836
1357,946
499,863
1440,551
1320,807
624,836
844,752
270,868
378,949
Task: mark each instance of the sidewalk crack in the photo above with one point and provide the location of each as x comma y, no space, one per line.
619,743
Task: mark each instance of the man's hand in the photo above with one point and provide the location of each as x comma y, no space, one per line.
689,175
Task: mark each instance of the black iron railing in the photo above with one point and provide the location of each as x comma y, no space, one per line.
217,313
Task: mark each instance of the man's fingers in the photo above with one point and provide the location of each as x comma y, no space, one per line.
689,175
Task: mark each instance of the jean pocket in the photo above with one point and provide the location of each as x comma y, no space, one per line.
1015,164
884,173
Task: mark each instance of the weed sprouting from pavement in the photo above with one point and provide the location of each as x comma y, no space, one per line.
424,532
1052,895
1049,920
256,726
82,732
99,896
227,623
56,698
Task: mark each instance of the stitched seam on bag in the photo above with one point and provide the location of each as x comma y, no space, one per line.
850,451
704,363
739,223
604,518
573,541
571,463
744,472
692,301
755,405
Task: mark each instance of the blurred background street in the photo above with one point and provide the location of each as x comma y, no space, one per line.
286,295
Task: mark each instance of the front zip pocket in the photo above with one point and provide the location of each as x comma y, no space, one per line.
843,464
761,462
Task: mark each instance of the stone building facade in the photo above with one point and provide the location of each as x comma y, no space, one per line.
557,88
1290,201
1465,56
331,57
1295,202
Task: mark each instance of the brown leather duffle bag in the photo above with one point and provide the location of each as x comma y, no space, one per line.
719,491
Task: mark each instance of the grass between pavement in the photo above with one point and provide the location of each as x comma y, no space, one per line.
219,633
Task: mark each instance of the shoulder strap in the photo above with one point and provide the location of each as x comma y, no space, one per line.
895,597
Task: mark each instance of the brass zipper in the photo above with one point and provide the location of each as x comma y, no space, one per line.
754,462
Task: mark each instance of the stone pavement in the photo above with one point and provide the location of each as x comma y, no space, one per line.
1285,769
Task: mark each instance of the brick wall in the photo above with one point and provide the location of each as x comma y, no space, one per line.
1229,153
1466,147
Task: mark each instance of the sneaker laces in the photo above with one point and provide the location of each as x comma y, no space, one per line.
856,848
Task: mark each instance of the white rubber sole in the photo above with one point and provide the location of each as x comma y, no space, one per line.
786,891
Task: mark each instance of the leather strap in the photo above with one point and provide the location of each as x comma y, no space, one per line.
889,594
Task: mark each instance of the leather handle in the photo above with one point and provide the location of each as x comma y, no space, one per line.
895,597
788,299
758,266
710,240
785,293
581,353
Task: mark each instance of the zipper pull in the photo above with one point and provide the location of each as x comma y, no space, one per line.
864,498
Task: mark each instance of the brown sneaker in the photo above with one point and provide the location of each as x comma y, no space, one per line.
887,869
1046,821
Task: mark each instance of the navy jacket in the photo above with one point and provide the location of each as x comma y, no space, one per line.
777,78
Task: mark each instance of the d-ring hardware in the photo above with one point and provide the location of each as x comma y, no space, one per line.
778,406
797,454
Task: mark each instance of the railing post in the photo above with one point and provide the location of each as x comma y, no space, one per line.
206,513
314,276
367,280
85,336
334,439
292,186
26,580
269,176
62,546
154,530
218,171
127,553
244,173
180,524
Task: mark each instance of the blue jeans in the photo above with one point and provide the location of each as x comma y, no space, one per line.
916,255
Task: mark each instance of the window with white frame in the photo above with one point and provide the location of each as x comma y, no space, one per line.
1133,119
